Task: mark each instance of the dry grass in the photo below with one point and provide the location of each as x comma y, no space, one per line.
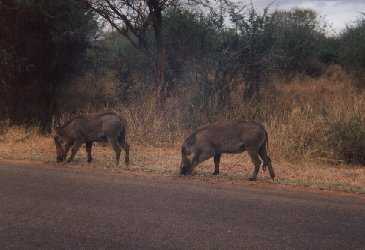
298,116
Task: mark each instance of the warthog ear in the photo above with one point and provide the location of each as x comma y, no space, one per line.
57,131
187,154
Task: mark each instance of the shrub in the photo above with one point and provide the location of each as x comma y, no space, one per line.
347,140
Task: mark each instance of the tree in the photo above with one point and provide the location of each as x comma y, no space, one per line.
280,42
134,20
199,44
256,42
298,37
44,44
352,49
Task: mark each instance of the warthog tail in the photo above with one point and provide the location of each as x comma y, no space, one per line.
267,142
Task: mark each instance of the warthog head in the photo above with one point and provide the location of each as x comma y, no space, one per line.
188,161
60,151
189,155
185,167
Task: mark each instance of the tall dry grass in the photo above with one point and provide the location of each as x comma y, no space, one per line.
308,110
301,116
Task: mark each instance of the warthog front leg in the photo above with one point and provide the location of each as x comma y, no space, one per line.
257,162
217,158
74,150
88,151
67,148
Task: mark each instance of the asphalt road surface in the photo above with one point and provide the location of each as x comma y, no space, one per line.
56,208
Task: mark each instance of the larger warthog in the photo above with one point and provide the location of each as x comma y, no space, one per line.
91,128
226,137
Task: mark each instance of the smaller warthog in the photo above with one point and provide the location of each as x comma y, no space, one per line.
101,127
226,137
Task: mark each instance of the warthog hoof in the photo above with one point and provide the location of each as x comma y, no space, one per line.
216,173
252,179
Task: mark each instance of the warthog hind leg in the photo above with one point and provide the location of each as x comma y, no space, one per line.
217,158
126,157
257,162
117,149
88,151
123,143
266,161
271,169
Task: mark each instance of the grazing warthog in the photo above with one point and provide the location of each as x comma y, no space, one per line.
226,137
91,128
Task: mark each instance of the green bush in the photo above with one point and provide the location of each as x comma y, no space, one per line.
347,140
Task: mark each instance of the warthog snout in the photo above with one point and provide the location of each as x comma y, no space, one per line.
60,156
185,168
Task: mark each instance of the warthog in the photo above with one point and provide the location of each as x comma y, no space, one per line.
226,137
91,128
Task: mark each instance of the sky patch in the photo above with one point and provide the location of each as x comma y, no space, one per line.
337,13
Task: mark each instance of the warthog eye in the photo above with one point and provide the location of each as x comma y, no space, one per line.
58,139
189,157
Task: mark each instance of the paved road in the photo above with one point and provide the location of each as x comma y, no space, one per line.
50,208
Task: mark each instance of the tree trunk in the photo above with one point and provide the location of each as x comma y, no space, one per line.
160,77
160,53
46,116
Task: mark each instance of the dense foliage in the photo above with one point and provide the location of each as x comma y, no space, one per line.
45,45
42,45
